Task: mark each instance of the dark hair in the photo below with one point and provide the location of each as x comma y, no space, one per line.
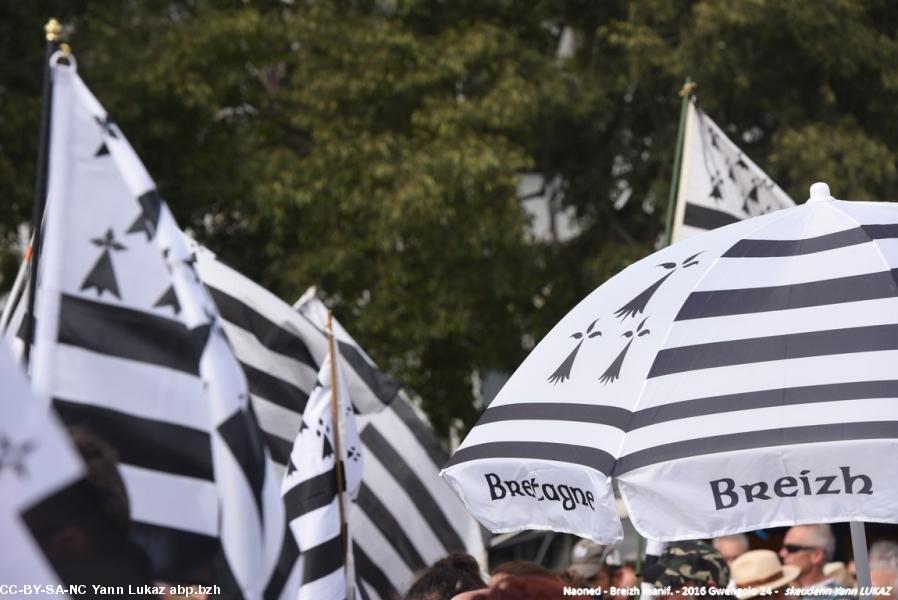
524,567
447,577
526,587
103,476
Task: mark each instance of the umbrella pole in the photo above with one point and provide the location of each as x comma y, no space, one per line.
861,561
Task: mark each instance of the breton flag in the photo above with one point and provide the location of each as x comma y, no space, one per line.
37,464
322,479
130,344
404,518
718,183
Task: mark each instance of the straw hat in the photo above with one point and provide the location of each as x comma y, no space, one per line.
839,572
760,570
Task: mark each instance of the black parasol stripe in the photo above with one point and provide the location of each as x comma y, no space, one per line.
854,288
750,440
682,359
570,453
748,248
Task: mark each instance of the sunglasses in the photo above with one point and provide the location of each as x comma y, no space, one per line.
792,548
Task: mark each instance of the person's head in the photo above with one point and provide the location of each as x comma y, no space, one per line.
688,564
884,566
447,577
808,547
521,587
587,562
517,568
625,576
759,572
731,546
101,461
78,521
883,551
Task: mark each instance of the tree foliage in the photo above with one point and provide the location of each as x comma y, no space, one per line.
373,148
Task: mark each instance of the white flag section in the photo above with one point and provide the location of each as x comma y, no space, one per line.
310,486
740,379
405,517
129,343
719,184
36,461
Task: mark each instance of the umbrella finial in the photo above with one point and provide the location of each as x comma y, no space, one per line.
820,192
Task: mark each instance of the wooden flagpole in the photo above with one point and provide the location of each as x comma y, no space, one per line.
338,453
52,31
685,92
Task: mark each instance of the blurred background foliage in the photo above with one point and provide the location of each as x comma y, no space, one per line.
374,148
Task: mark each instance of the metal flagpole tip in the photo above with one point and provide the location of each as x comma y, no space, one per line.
52,30
820,192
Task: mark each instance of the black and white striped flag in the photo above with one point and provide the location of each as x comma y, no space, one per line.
130,343
719,184
322,480
405,517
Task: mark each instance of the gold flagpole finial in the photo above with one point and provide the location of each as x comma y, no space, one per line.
52,29
687,88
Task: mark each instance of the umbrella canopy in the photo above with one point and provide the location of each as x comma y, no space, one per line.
743,378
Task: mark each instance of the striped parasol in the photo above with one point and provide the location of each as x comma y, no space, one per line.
743,378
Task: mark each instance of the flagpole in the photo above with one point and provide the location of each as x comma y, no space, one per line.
685,92
52,31
338,462
17,287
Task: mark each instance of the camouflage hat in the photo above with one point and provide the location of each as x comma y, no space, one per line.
687,564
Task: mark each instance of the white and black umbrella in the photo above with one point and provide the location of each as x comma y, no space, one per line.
743,378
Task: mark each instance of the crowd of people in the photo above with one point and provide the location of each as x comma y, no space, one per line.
803,569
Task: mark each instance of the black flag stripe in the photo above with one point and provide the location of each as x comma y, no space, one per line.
424,435
286,561
383,386
322,560
131,334
279,448
311,494
146,443
777,347
368,570
275,389
390,527
390,458
270,335
855,288
703,217
242,436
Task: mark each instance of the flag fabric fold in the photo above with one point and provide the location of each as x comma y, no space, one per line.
405,516
718,183
130,343
326,463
